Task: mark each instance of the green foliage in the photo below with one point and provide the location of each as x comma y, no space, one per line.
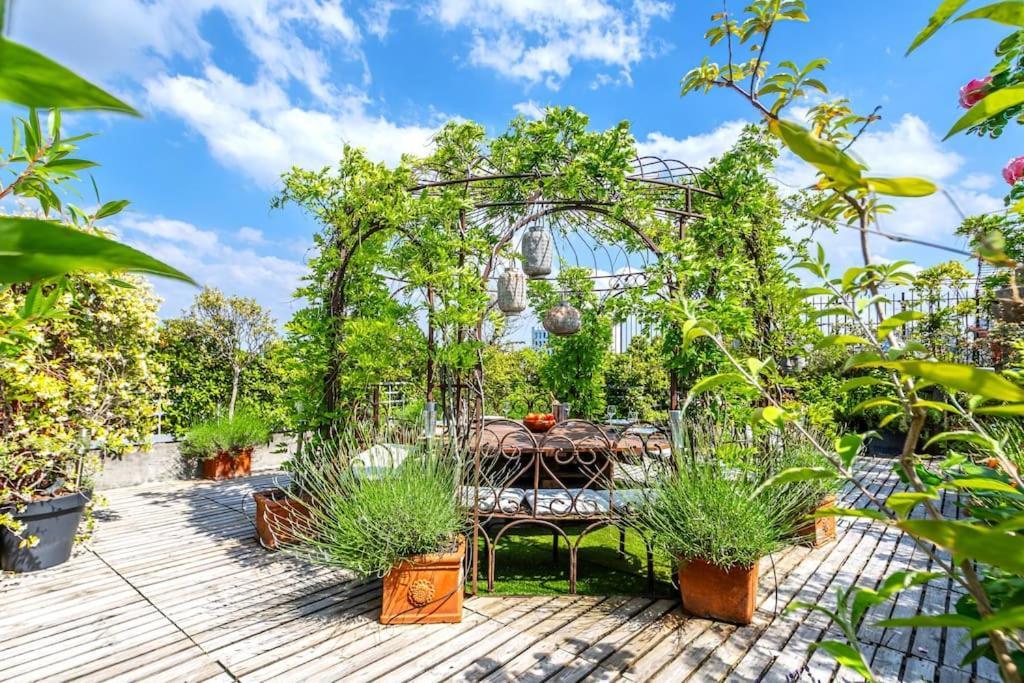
33,80
32,250
701,512
512,382
574,369
224,435
88,365
366,522
199,382
636,380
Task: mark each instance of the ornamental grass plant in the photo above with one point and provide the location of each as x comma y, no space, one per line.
372,507
701,511
224,435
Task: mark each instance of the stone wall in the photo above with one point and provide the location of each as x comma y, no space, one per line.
163,462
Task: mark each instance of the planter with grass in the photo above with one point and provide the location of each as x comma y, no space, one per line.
809,497
224,446
401,523
718,528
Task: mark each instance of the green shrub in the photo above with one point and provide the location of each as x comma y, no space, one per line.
367,518
703,511
224,435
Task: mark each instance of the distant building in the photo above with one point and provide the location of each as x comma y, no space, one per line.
539,339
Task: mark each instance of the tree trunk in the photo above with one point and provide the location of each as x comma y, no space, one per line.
235,374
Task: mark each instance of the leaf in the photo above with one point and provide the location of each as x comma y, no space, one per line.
902,502
30,79
965,436
894,322
1000,549
111,208
823,155
1011,618
1009,409
902,187
841,340
946,10
955,376
984,484
846,655
995,102
851,512
773,415
32,249
848,446
1007,13
930,621
858,382
718,380
792,474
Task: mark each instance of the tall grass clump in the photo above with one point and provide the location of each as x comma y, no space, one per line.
700,511
372,507
224,435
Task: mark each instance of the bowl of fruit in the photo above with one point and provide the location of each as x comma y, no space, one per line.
539,422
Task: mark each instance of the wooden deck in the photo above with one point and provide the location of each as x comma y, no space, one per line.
173,587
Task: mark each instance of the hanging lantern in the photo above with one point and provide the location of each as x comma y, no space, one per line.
562,320
537,249
512,291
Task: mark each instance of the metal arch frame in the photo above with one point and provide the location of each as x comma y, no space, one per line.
670,183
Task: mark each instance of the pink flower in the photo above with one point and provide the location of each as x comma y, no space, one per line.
974,91
1014,170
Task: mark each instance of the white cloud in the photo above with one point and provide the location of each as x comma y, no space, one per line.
271,280
255,129
170,230
529,109
540,41
106,39
250,235
696,150
978,181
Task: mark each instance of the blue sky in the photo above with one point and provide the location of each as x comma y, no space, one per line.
235,91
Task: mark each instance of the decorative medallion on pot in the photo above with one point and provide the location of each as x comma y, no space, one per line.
512,291
425,589
421,592
537,250
562,320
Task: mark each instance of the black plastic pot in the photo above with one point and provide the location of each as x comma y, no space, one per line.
888,443
55,522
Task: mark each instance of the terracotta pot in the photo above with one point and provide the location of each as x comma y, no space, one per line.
819,531
278,515
224,465
716,593
425,589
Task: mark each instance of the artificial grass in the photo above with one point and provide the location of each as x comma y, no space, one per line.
525,566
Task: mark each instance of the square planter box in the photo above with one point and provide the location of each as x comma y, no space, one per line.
425,589
819,531
227,466
721,594
278,515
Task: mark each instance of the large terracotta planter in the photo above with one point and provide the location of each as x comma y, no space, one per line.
425,589
716,593
278,517
819,531
226,465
